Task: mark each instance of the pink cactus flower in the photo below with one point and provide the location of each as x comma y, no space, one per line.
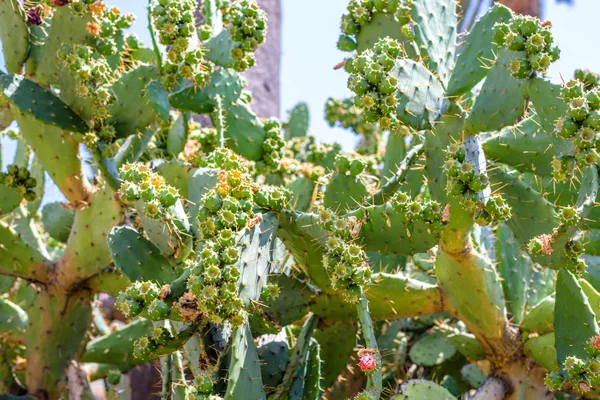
367,363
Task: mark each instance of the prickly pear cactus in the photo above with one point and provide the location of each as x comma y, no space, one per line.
453,253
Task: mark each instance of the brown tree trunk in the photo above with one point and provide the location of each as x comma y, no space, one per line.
263,78
529,7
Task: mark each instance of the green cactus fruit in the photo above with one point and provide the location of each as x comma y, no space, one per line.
158,310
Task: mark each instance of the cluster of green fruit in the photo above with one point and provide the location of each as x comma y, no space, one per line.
106,25
527,34
345,165
413,210
373,82
273,146
583,376
247,24
360,13
144,297
94,79
148,344
345,114
19,178
464,182
274,198
202,388
202,140
344,260
174,20
581,125
141,183
225,211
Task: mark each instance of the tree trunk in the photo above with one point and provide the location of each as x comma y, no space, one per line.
263,78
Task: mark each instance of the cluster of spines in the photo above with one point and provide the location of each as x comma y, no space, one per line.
344,260
174,21
429,211
19,178
347,115
374,84
527,34
141,183
225,211
583,376
466,183
581,125
360,12
247,24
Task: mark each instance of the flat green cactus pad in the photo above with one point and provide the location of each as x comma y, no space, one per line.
42,104
420,94
436,34
13,321
574,320
244,376
477,52
541,349
14,34
138,258
502,99
420,389
297,125
57,221
432,350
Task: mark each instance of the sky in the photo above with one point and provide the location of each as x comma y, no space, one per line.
309,36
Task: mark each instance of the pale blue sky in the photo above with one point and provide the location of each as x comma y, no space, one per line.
311,28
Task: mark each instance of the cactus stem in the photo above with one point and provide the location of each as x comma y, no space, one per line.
374,380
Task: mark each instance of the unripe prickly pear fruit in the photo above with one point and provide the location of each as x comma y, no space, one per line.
578,109
143,347
158,310
574,365
554,381
568,216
